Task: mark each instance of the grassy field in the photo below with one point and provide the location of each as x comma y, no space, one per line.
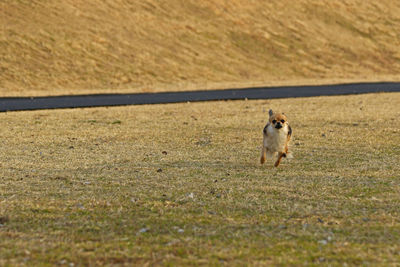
181,184
97,46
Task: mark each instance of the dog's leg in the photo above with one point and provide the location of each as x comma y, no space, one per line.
280,156
263,155
284,154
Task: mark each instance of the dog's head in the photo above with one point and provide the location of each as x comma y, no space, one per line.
277,120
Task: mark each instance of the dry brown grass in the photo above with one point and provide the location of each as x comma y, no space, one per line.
180,184
75,46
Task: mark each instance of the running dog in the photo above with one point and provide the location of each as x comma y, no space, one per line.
277,134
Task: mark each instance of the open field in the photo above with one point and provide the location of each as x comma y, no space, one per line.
78,47
180,184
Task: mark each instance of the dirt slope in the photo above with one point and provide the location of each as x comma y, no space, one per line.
75,46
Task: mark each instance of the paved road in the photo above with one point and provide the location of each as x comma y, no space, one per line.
79,101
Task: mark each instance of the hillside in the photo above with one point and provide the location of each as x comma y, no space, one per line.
96,46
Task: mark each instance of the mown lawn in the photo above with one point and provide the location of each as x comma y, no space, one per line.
181,184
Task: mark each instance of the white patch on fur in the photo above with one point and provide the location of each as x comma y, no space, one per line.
275,139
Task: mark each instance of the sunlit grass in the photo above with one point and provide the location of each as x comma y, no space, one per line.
96,46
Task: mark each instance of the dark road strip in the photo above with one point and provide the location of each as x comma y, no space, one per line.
100,100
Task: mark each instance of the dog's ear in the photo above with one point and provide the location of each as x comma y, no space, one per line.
270,112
